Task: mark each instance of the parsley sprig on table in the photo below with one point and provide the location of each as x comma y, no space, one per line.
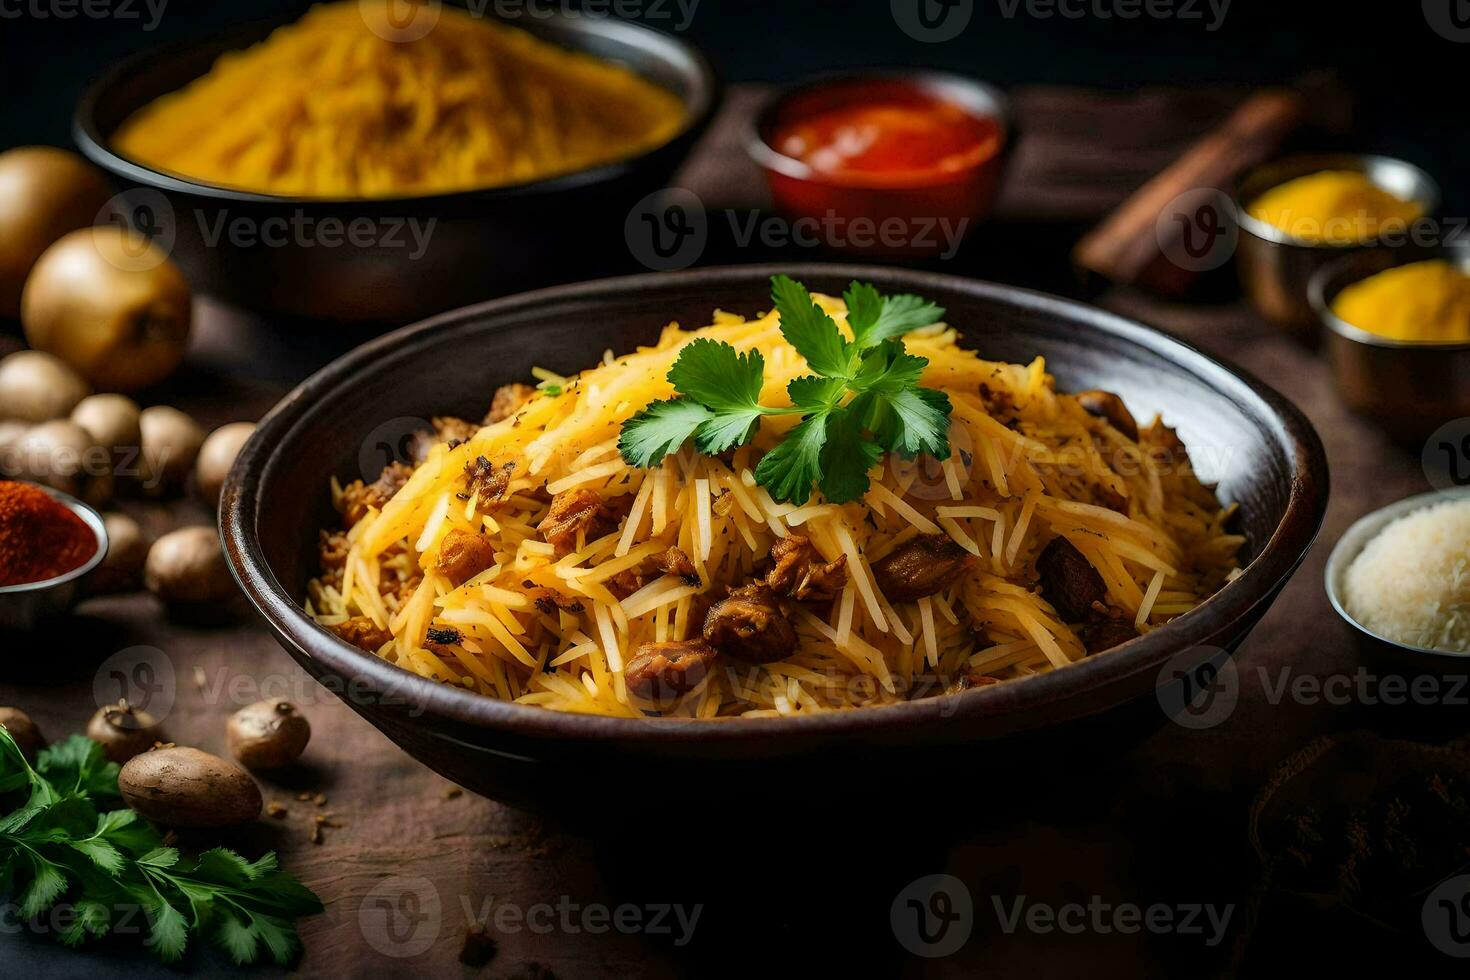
864,399
66,841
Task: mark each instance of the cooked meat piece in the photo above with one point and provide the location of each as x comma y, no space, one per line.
1164,446
928,564
444,635
333,548
363,633
1105,635
1068,580
749,625
574,511
550,600
448,429
662,670
464,554
970,679
799,572
671,562
357,497
507,399
1105,404
486,481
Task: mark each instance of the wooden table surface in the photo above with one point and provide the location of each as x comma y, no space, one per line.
411,866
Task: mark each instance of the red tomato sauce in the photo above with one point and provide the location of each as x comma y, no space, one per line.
904,136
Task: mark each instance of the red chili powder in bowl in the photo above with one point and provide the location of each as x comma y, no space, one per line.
40,537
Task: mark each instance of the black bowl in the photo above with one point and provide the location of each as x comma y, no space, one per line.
1262,451
482,243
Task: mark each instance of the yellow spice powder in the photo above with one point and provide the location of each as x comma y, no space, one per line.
1425,302
327,107
1333,207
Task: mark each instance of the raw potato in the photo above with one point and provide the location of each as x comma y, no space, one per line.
122,569
183,787
26,733
112,421
268,734
36,387
123,731
216,457
188,566
171,441
44,193
62,455
108,302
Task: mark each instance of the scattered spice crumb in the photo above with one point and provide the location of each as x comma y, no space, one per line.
276,810
325,820
316,833
479,947
304,797
201,680
320,799
452,793
533,971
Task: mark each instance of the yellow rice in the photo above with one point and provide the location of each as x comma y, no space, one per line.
1003,495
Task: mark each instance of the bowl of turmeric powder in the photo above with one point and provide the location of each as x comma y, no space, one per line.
1397,335
355,166
1300,213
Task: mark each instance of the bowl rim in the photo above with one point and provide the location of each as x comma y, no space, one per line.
308,642
92,518
1357,537
699,109
1317,289
1255,227
769,158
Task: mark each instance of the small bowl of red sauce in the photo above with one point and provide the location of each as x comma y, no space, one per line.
901,163
49,541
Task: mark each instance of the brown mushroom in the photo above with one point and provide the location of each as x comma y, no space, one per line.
1068,580
183,787
922,566
26,733
123,731
749,625
268,734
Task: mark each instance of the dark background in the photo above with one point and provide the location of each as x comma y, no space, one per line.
1408,79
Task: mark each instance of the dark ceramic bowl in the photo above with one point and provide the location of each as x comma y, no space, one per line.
397,266
1408,389
1262,451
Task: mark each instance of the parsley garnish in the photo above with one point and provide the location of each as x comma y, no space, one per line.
864,399
68,840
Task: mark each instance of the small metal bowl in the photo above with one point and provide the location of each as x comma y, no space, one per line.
1408,388
1276,267
1372,646
23,606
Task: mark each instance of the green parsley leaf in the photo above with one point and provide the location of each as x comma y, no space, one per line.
57,843
790,470
911,421
714,374
864,397
902,314
846,457
811,331
660,429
